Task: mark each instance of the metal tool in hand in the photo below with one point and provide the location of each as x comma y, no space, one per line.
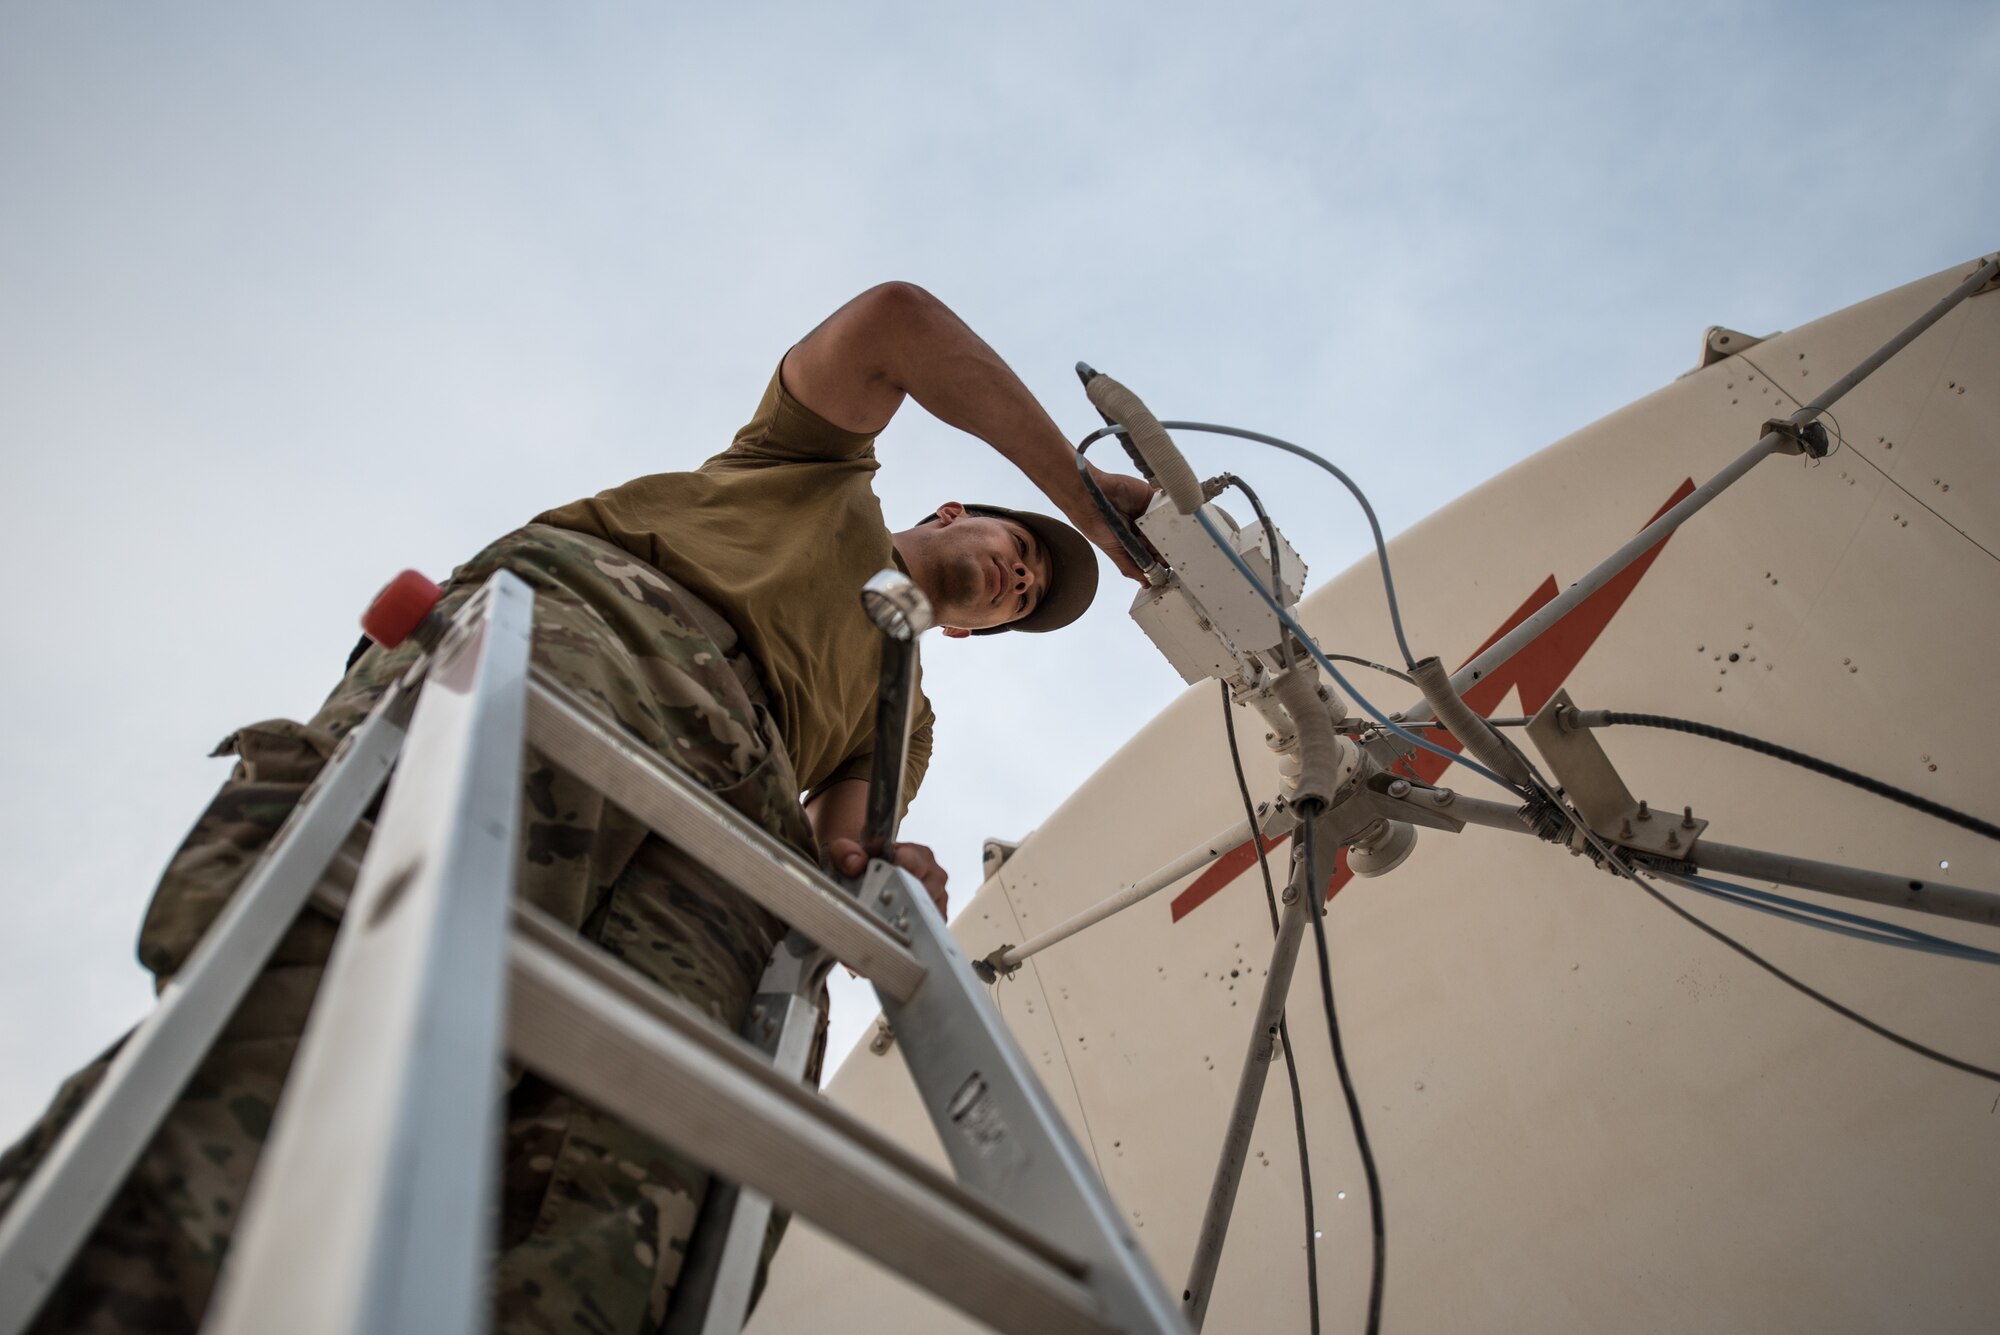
901,612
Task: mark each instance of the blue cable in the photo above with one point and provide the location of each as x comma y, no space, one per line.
1815,915
1284,619
1822,910
1381,555
1374,525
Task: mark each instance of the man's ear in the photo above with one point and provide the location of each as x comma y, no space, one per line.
950,512
954,632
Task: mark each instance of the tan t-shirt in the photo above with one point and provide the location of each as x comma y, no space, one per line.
778,533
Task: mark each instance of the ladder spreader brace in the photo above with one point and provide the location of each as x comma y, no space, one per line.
371,1209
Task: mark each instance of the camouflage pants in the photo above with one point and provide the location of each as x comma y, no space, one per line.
594,1217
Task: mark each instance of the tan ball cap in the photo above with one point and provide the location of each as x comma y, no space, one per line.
1072,569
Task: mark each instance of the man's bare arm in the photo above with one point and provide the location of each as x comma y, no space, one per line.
897,340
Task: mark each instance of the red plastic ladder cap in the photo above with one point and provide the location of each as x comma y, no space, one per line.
400,608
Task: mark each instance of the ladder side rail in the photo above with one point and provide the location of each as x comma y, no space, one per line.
611,1037
735,848
1003,1134
371,1207
69,1191
719,1274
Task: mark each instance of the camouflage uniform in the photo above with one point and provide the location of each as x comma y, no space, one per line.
594,1217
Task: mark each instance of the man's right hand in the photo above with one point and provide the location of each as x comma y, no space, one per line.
850,860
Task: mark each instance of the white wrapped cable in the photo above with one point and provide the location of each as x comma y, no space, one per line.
1471,730
1319,744
1170,471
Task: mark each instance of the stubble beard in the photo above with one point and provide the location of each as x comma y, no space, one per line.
964,584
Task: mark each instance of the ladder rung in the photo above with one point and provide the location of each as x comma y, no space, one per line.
720,838
589,1024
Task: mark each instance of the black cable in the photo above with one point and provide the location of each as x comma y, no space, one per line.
1277,576
1284,1030
1858,926
1111,428
1623,868
1379,667
1818,996
1317,910
1804,761
1128,537
1305,1164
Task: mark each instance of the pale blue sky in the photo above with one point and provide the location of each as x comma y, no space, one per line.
293,296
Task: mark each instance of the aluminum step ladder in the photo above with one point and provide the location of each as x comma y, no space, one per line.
372,1207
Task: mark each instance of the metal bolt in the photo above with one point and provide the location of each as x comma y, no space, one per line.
1673,840
1625,830
1687,818
884,898
1399,788
1441,797
1643,813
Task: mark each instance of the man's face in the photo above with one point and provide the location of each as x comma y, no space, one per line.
988,571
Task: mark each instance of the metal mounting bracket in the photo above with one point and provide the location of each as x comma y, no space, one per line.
993,856
1990,285
1718,343
1808,438
1385,796
1592,784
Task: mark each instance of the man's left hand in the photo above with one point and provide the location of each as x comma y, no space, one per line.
1130,495
850,860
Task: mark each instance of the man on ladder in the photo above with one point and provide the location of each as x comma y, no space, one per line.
715,615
